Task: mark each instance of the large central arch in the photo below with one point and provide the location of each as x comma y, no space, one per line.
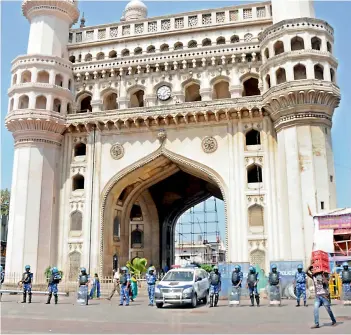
141,182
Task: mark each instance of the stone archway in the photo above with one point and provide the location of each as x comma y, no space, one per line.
164,185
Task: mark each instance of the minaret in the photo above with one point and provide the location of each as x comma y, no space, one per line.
39,98
300,94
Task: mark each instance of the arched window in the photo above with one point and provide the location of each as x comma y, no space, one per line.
278,48
316,43
43,77
14,79
192,44
125,53
79,58
78,182
112,54
220,40
74,266
329,47
100,56
26,77
268,80
88,58
80,149
281,75
40,102
137,238
76,221
115,262
192,92
178,46
266,53
164,47
248,37
137,99
319,72
332,75
138,51
221,90
150,49
299,72
110,102
206,42
253,137
69,84
256,218
57,105
23,102
116,226
136,213
72,59
251,87
234,39
69,108
58,80
254,174
85,105
11,104
297,43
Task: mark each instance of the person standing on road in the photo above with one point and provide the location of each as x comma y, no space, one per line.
96,287
346,282
252,281
83,284
116,286
300,282
54,279
215,286
237,277
125,283
27,279
321,283
151,282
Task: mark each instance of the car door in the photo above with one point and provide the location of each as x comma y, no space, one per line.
205,282
197,284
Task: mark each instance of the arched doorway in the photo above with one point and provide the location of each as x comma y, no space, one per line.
150,198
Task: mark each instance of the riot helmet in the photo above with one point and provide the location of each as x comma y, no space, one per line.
54,270
215,269
252,269
150,270
345,265
124,269
83,271
27,268
237,268
299,268
274,268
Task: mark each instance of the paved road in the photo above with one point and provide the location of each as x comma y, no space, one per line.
103,316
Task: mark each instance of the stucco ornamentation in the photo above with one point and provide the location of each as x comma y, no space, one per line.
209,144
117,151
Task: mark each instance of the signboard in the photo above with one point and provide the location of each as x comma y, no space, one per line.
334,222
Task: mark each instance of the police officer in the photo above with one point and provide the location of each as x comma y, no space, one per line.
252,281
151,281
300,284
346,281
54,279
274,280
237,276
124,283
27,279
83,283
215,286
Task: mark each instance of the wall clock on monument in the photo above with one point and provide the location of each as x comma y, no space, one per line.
164,93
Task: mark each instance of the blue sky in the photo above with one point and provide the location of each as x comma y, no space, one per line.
14,37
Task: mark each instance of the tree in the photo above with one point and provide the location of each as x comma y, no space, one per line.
5,202
206,267
137,266
47,273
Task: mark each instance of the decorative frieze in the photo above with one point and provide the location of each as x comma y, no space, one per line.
75,246
78,170
76,204
254,160
255,200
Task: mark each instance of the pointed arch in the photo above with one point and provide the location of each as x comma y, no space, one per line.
191,89
220,87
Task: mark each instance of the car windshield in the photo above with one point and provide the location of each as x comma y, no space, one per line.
179,276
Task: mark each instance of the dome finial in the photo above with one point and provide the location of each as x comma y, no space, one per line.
82,21
135,10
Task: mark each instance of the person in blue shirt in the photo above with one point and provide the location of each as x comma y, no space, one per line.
96,287
27,279
237,276
252,281
300,285
83,282
151,282
54,279
215,286
124,283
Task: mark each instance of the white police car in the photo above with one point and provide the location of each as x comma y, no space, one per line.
183,286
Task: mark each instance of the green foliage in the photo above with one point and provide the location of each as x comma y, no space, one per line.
5,202
207,267
47,273
137,266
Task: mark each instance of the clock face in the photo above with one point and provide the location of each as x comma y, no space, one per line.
164,93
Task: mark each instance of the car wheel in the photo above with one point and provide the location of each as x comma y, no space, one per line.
159,304
194,301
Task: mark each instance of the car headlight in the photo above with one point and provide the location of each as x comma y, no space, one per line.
188,290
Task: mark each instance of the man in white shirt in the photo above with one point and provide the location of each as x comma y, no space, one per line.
116,286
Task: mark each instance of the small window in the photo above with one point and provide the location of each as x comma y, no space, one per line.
78,182
326,130
329,47
220,40
137,238
178,46
251,87
125,53
164,47
112,54
100,56
316,43
116,226
278,48
266,53
300,72
254,174
135,213
253,137
332,75
268,80
234,39
192,44
319,72
88,58
72,59
138,51
297,43
150,49
206,42
80,149
322,204
331,178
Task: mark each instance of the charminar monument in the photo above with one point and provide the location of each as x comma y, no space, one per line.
120,128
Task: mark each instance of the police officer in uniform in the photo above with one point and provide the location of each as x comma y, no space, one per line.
252,281
300,284
125,283
151,281
237,278
54,279
27,279
83,282
346,282
215,286
274,280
